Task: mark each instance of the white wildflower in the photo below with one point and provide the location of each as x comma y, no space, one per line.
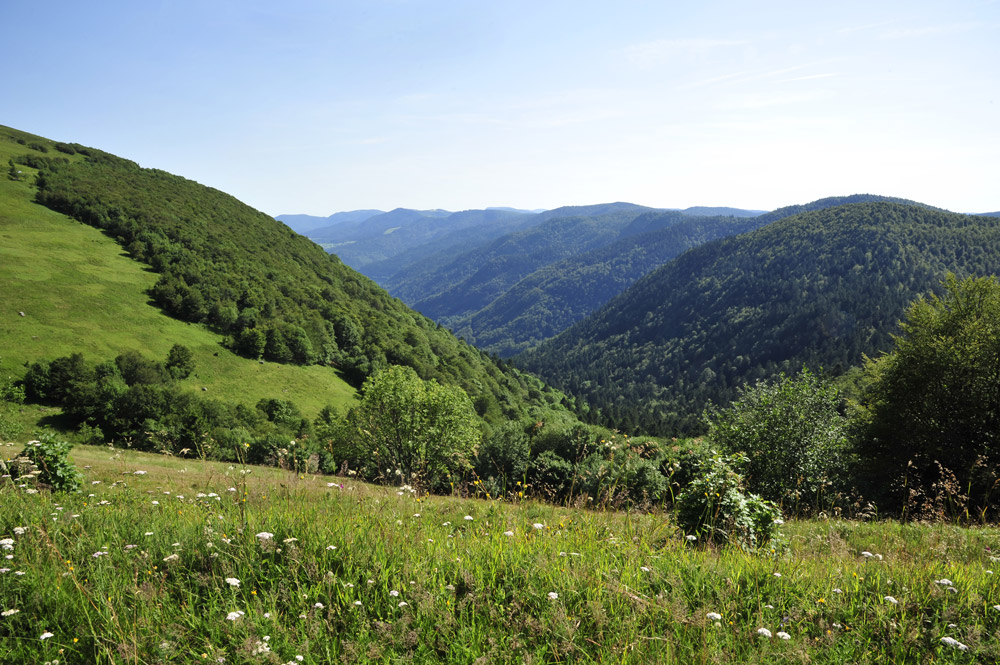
783,635
9,613
265,535
691,538
944,581
172,557
553,595
867,554
508,533
538,525
232,581
233,616
952,642
319,606
891,600
468,518
713,616
403,603
46,635
764,632
393,593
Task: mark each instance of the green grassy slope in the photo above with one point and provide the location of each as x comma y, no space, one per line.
81,293
137,573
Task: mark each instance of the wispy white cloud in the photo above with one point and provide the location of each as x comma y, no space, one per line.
867,26
927,30
810,77
764,100
659,51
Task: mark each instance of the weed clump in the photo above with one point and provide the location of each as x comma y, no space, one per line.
716,507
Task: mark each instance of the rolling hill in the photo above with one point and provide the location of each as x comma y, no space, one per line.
468,282
202,269
819,288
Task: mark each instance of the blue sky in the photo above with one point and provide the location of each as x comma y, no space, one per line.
317,107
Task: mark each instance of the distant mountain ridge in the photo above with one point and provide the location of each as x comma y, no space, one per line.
818,288
305,223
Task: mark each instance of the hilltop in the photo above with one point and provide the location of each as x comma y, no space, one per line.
160,260
821,288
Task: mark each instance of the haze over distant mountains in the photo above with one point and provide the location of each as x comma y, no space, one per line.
648,314
642,316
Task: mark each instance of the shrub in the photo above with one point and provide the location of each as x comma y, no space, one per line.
50,458
715,506
504,456
933,403
793,433
419,431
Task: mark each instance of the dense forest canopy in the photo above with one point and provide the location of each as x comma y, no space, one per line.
272,292
818,289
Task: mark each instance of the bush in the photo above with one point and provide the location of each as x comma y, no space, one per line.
715,506
50,458
933,403
180,362
504,457
418,431
792,431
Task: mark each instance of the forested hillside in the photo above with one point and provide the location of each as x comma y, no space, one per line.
819,289
475,278
272,293
375,244
549,300
557,295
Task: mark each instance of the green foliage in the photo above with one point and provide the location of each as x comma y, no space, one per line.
50,456
819,289
474,590
180,362
715,506
11,395
474,278
933,402
793,433
136,402
81,293
417,431
555,296
273,293
503,458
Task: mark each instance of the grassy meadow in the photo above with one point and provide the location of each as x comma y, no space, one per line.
162,560
81,293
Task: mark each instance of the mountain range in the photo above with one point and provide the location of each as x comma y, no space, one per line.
636,317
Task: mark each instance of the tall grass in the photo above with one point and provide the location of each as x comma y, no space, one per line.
134,570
